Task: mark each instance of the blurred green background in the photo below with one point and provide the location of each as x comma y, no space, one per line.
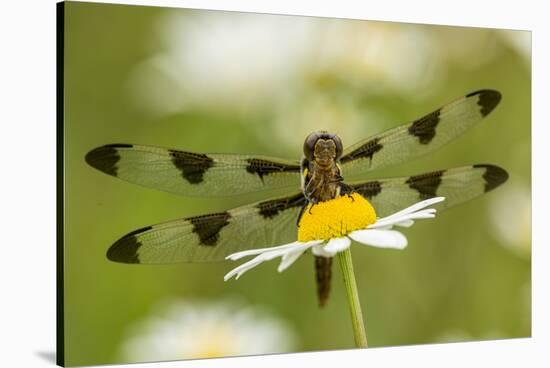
212,81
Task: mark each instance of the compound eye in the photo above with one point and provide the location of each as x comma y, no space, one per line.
339,147
309,145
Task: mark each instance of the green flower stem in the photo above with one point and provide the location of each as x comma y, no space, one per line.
346,266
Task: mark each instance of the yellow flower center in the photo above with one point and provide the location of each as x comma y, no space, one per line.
212,343
335,218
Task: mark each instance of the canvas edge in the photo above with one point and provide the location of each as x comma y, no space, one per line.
60,187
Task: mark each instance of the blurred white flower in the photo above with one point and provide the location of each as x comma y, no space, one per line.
200,329
521,42
232,60
467,48
400,57
454,336
511,218
286,76
218,59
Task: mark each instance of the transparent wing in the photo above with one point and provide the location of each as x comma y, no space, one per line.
419,137
457,185
194,174
212,237
272,222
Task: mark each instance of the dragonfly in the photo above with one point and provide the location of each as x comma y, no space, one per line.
317,176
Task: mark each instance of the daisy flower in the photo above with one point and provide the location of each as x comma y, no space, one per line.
202,329
328,228
514,235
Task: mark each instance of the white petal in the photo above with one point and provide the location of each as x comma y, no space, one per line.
337,245
380,226
387,225
238,271
288,252
319,250
405,218
405,223
289,258
380,238
422,214
416,207
425,213
253,252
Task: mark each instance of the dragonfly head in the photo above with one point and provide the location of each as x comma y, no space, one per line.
323,148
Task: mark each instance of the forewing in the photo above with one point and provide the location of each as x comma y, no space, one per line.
456,185
419,137
194,174
212,237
